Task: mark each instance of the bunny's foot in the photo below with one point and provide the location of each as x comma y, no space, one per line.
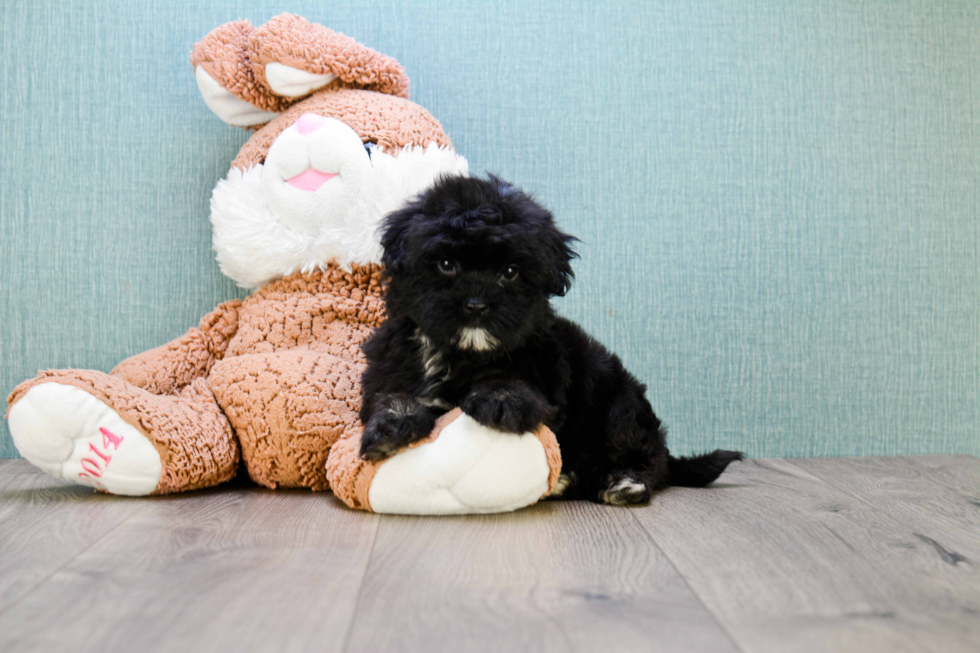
73,436
96,429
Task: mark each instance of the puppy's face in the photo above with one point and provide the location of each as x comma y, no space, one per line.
473,263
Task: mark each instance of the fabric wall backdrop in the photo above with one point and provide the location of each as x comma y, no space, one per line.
778,202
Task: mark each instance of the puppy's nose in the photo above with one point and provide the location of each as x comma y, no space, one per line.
475,306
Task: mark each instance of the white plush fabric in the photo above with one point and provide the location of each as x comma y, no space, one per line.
265,228
228,106
468,469
293,82
57,428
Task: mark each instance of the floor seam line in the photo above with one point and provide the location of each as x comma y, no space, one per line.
707,608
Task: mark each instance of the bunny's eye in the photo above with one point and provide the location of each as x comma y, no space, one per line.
510,273
447,267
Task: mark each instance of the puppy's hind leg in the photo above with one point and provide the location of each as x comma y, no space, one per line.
633,450
633,487
624,489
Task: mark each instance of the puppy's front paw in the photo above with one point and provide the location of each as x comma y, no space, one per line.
510,407
388,432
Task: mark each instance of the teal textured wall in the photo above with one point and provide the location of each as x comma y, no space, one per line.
779,201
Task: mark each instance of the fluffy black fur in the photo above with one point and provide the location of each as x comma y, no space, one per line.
470,266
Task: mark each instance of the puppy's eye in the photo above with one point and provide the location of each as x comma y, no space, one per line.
509,273
447,267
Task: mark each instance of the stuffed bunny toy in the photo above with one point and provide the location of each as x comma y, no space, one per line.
273,380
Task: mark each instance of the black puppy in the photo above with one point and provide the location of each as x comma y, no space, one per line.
470,266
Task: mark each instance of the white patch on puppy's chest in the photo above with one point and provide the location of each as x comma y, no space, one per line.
476,338
434,370
432,363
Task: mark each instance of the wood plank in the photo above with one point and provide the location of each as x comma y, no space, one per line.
559,576
44,524
959,472
221,570
787,562
940,514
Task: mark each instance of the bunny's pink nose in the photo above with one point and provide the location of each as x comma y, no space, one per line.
309,123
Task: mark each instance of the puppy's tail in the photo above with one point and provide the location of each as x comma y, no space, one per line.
697,471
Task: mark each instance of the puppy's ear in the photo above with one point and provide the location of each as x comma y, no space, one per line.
555,244
558,246
394,237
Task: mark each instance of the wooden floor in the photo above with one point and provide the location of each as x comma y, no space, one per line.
861,554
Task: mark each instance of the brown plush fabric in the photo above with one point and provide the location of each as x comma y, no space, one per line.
170,367
224,54
189,430
350,476
280,370
290,378
235,55
288,408
331,311
389,121
298,43
553,452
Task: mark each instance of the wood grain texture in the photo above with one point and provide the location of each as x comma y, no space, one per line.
846,555
568,576
787,562
226,570
44,523
960,472
941,514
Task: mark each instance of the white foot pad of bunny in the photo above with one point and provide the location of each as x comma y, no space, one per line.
73,436
468,469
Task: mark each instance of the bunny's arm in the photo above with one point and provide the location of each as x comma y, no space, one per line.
169,368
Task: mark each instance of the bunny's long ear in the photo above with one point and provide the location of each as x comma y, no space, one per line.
224,74
295,57
248,75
